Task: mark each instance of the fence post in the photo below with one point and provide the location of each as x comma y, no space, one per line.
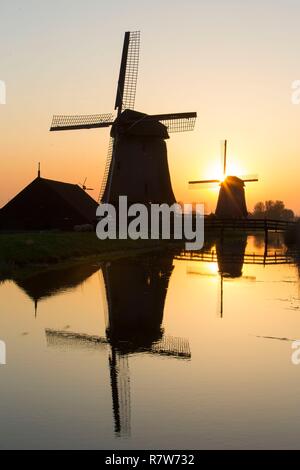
266,240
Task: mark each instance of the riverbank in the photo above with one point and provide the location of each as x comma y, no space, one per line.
23,253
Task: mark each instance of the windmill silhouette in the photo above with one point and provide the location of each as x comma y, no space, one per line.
137,163
84,187
133,294
231,201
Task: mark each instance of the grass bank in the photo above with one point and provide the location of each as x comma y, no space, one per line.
31,251
27,252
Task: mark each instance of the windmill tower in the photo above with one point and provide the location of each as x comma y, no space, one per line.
137,163
231,201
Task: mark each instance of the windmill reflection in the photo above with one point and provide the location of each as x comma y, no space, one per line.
134,291
229,255
230,261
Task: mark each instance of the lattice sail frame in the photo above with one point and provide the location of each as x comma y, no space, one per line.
176,122
106,169
126,89
84,121
132,68
168,346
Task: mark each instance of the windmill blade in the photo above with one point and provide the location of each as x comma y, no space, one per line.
249,178
224,156
176,122
204,181
168,345
106,170
204,184
88,121
173,347
193,271
126,89
72,340
120,388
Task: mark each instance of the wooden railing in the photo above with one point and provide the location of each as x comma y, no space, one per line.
248,224
247,258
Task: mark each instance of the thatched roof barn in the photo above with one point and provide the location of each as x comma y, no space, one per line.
46,204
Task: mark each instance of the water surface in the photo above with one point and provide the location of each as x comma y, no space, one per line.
160,351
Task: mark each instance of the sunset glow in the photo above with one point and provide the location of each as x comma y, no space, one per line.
237,81
150,228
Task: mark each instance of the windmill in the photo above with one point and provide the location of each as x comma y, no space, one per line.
134,315
231,201
84,187
137,163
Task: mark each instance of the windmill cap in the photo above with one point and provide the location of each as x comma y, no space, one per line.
134,123
234,180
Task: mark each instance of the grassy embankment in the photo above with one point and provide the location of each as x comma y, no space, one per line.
23,253
27,252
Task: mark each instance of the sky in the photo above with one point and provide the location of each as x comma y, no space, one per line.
231,61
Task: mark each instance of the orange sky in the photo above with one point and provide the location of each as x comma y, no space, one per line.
232,63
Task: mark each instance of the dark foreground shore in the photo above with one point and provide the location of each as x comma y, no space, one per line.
23,253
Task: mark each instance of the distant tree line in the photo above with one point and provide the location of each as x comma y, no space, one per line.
272,210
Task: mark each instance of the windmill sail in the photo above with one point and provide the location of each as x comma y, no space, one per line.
176,122
69,340
172,346
89,121
224,153
196,184
167,346
249,178
126,89
120,386
107,168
